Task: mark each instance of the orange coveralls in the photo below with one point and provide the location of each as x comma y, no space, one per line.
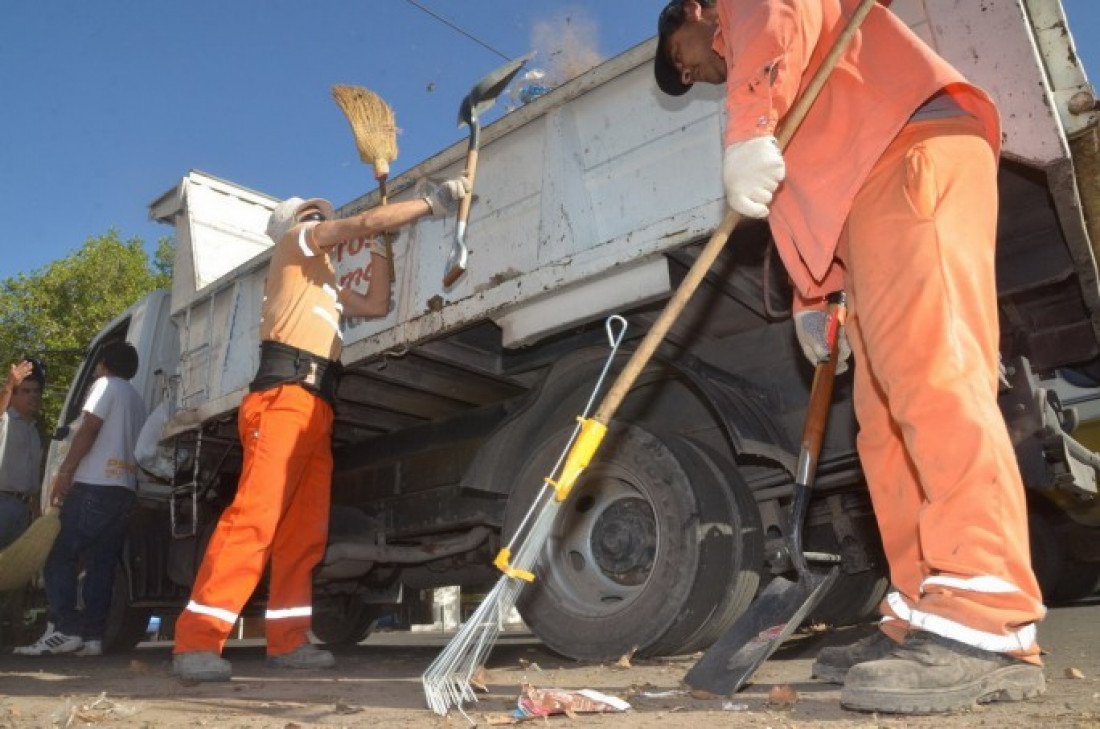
901,214
281,510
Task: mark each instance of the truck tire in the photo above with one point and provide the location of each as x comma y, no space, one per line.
855,596
1078,581
343,620
731,551
1048,560
126,625
621,564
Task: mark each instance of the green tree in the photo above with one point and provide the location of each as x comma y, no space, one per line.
54,311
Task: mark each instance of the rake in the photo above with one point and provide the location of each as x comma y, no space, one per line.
372,124
447,681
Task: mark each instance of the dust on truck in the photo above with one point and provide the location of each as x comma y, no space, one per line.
595,199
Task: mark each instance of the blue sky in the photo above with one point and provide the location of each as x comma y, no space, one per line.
107,104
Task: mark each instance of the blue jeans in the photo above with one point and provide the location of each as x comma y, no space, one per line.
93,526
15,516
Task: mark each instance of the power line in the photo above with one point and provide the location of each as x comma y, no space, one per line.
451,25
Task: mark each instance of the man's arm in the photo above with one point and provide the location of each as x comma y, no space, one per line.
376,302
442,199
369,223
83,441
767,45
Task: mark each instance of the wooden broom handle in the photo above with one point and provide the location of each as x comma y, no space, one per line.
619,389
387,236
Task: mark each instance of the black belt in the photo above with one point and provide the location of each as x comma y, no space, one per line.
281,364
24,497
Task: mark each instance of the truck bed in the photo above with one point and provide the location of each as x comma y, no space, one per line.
589,201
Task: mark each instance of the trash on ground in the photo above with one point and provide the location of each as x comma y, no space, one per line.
782,695
534,702
95,711
480,680
730,706
703,695
624,661
341,708
663,694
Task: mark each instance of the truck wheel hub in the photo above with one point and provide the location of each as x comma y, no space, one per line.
624,541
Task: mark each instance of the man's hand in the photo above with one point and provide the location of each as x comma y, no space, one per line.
19,372
751,170
62,485
444,198
810,326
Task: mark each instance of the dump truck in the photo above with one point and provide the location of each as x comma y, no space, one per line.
594,199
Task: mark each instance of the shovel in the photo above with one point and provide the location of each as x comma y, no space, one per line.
480,98
783,605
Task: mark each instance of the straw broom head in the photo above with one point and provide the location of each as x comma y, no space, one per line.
372,123
24,558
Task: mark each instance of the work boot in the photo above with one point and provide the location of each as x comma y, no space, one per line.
306,655
201,666
832,664
929,674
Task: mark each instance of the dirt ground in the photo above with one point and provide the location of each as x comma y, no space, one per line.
377,684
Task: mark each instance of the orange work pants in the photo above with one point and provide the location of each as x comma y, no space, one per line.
918,248
280,514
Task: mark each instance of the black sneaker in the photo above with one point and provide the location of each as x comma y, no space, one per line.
832,664
929,674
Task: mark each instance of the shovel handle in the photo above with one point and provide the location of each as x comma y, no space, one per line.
466,202
717,241
821,394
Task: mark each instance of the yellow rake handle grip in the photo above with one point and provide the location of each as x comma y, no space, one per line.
584,447
501,563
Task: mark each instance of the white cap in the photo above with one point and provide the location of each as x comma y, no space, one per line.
282,217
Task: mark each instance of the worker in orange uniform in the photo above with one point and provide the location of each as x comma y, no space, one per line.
889,191
280,513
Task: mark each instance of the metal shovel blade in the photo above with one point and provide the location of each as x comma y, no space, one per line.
456,259
486,91
728,664
480,98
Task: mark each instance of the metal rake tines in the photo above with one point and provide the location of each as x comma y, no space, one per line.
447,681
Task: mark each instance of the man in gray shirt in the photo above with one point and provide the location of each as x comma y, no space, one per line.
20,448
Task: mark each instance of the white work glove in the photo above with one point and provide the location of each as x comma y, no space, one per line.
751,170
444,198
809,326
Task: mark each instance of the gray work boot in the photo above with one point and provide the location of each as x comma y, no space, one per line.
201,666
306,655
929,674
832,664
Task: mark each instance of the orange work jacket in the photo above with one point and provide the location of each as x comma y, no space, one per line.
772,49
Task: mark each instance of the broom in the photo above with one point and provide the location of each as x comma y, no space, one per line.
21,560
372,123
